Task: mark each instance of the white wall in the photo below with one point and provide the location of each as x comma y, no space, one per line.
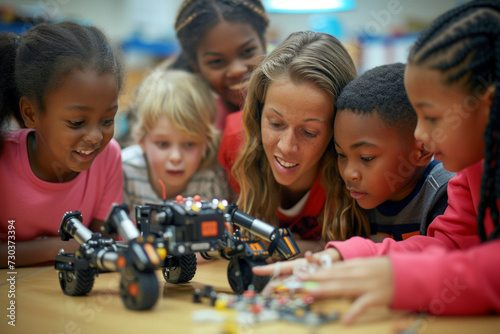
154,20
371,17
119,18
109,15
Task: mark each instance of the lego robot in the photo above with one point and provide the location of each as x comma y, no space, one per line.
189,225
168,236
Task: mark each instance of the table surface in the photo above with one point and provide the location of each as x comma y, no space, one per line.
42,307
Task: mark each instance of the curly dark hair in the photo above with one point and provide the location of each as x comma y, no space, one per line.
381,90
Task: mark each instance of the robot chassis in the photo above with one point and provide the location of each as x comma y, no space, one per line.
168,236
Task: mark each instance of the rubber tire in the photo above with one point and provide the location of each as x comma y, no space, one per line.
77,282
183,272
147,290
240,275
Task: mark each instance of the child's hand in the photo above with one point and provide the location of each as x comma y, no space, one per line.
286,267
368,280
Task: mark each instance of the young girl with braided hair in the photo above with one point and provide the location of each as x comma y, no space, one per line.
452,80
222,41
65,92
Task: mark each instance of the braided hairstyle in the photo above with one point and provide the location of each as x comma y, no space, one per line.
464,44
196,17
35,63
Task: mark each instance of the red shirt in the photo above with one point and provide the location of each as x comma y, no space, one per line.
223,112
306,223
230,146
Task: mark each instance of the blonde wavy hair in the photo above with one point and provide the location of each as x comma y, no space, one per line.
187,102
304,57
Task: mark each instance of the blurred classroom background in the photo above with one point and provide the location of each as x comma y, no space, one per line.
374,31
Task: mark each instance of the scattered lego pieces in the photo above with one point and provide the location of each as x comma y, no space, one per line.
254,308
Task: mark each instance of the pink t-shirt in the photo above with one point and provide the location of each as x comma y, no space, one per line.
37,207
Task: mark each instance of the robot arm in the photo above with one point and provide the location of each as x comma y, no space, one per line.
141,254
72,227
119,222
281,238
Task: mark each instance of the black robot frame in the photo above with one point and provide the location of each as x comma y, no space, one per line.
167,237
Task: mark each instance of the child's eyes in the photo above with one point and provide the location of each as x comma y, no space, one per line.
164,144
108,122
105,122
249,51
161,144
75,124
430,119
341,155
214,62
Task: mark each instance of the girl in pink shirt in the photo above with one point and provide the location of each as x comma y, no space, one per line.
452,80
67,77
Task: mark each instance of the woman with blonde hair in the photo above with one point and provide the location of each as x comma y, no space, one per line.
286,169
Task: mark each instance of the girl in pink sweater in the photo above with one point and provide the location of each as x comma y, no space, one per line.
454,270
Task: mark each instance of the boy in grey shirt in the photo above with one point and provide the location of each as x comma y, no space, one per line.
385,169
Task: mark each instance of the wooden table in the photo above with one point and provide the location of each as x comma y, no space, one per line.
41,307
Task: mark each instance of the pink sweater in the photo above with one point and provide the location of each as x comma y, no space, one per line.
449,271
37,207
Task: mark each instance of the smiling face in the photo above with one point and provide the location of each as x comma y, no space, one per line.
226,58
296,130
76,125
375,162
451,123
172,157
